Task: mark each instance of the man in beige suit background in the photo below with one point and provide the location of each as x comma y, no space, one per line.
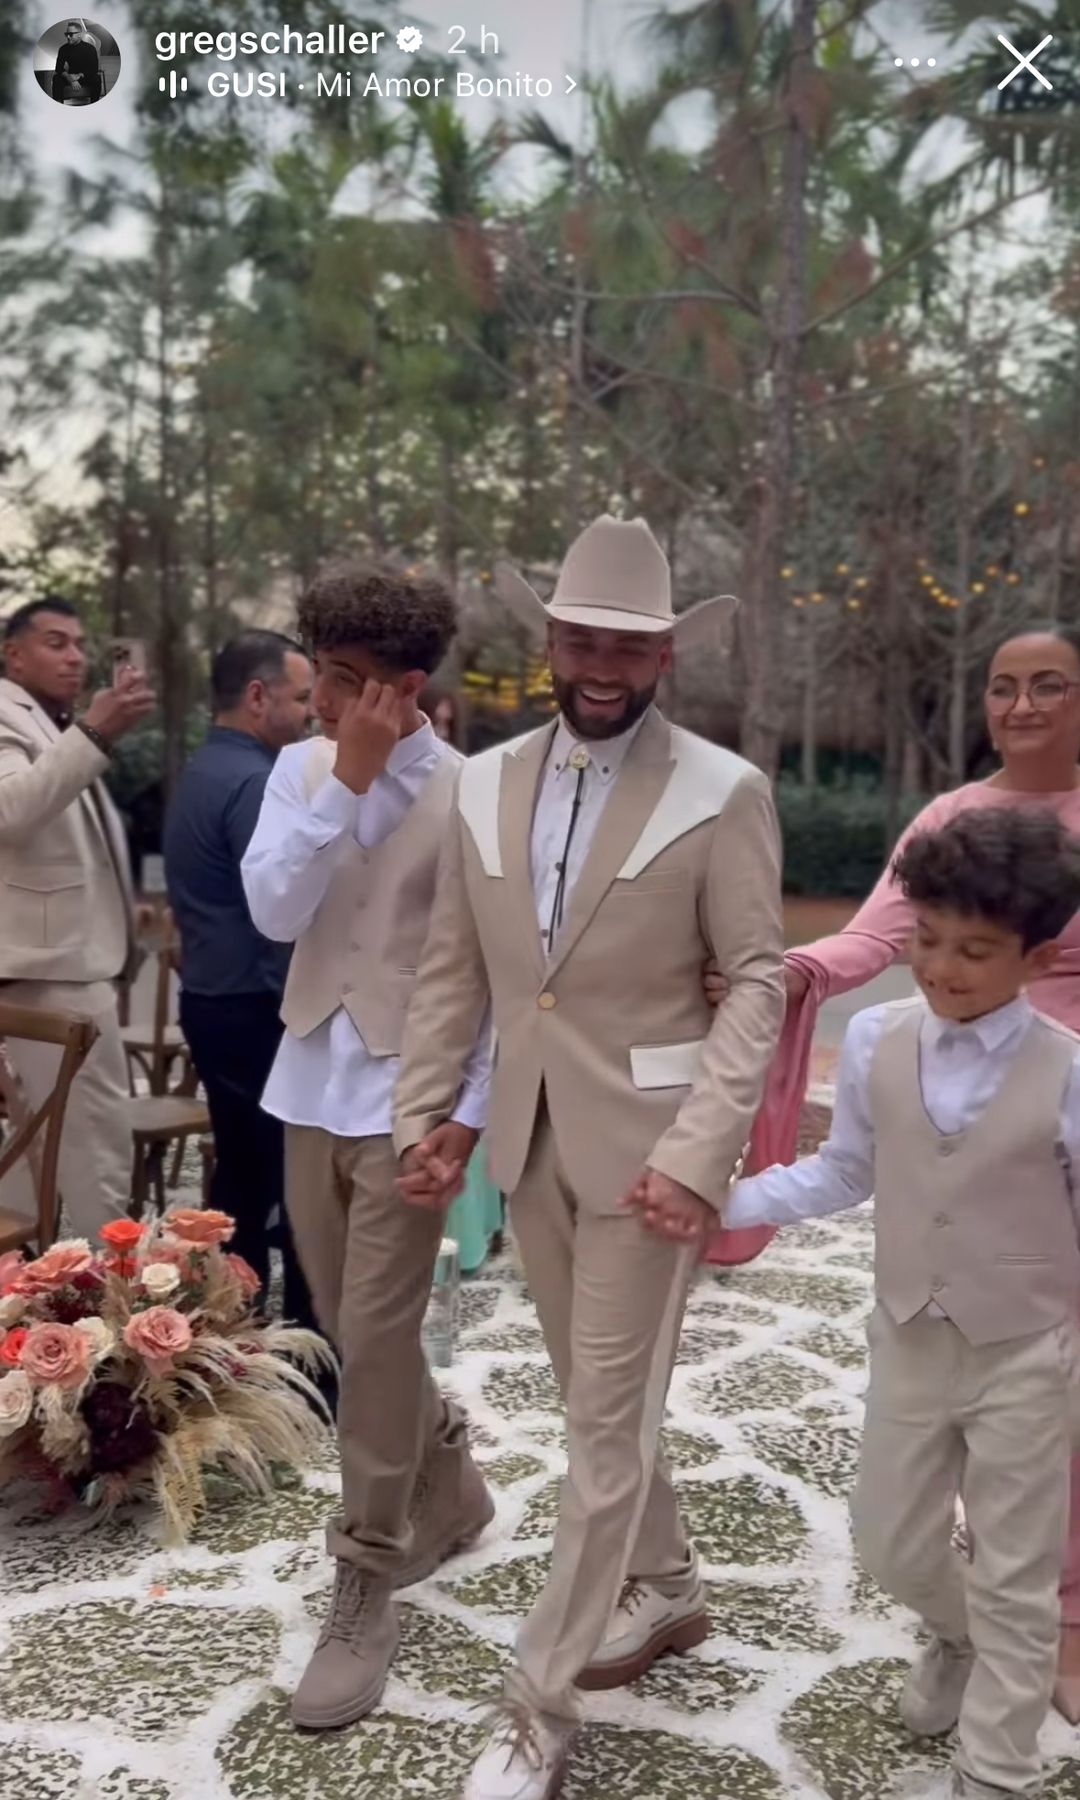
590,868
66,915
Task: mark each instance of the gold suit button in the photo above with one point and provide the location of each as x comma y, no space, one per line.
546,1002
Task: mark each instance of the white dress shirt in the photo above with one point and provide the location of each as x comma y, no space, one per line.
554,808
330,1079
961,1068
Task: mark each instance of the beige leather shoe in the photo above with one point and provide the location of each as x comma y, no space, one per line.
451,1506
934,1690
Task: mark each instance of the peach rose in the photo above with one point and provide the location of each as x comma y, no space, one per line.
16,1402
201,1227
58,1266
244,1273
56,1354
157,1335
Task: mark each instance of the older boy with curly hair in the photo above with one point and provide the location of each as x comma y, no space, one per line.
960,1112
342,864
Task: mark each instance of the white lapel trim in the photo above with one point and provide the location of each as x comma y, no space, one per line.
701,783
478,798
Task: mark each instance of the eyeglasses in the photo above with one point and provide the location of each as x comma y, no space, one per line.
1046,693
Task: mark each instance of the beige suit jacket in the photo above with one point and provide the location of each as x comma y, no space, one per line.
65,885
616,1028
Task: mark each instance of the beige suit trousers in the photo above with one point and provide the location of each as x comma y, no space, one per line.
611,1300
369,1260
994,1423
94,1175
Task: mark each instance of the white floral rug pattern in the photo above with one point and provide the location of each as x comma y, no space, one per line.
131,1673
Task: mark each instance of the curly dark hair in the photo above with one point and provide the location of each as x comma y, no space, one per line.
404,622
1018,870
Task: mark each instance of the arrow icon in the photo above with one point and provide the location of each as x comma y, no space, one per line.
571,84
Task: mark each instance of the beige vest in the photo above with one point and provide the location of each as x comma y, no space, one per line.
362,948
979,1221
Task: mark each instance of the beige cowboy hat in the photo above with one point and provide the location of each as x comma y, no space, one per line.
615,577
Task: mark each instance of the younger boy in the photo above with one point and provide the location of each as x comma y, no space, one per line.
342,864
960,1113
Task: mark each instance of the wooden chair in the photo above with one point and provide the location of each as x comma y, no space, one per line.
74,1036
170,1113
154,1048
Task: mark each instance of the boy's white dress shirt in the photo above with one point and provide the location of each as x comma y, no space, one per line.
960,1069
329,1079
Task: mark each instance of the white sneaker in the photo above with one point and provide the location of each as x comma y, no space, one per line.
525,1757
645,1625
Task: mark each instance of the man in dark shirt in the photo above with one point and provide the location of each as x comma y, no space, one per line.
76,81
232,977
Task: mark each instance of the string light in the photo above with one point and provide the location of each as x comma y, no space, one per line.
1021,508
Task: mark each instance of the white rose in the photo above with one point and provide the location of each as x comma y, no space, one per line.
101,1338
160,1280
16,1402
12,1307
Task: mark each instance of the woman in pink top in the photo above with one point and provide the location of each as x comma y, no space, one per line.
1033,716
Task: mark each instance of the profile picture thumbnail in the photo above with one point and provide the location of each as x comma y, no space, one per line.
77,61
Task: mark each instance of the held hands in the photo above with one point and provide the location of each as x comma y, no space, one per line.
433,1171
718,987
116,710
369,727
668,1209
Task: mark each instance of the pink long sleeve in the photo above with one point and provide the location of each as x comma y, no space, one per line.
880,930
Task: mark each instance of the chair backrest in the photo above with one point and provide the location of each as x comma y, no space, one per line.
168,965
74,1035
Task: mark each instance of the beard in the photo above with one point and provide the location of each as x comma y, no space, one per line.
586,724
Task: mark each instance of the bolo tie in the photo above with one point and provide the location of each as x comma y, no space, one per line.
579,760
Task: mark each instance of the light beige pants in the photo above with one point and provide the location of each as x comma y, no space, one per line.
369,1260
994,1423
94,1173
611,1300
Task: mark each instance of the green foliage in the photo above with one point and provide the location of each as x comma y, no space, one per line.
835,841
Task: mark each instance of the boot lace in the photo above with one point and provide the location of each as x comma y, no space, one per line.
632,1596
351,1594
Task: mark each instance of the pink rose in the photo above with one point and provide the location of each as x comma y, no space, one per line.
245,1274
157,1335
56,1354
57,1268
202,1227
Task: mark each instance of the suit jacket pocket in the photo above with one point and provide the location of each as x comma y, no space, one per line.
665,1065
42,905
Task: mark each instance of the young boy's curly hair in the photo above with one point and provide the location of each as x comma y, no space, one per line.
1018,870
404,622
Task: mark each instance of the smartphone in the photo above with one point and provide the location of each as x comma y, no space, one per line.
127,653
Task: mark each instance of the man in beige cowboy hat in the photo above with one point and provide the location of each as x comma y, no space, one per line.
589,869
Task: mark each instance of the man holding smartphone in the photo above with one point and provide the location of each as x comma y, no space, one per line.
66,911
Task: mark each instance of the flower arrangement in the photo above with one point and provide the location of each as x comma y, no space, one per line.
129,1372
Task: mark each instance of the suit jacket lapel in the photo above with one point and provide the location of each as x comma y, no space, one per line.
638,788
521,777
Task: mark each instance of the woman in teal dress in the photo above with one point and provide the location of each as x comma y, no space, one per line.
475,1219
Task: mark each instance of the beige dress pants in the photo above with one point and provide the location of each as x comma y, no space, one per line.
994,1423
611,1299
369,1260
96,1148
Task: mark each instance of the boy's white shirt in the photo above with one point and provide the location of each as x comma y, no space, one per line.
961,1068
330,1079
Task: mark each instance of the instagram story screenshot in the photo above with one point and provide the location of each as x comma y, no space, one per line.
540,900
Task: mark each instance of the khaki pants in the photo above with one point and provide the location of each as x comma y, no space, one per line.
94,1175
369,1259
994,1423
611,1300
